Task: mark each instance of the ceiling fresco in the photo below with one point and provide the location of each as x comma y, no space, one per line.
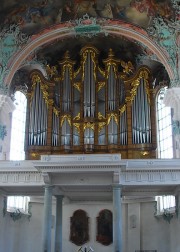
34,15
22,21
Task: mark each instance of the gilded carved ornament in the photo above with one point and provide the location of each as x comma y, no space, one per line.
102,72
76,73
127,67
51,71
89,125
77,85
44,87
65,117
100,84
114,116
135,84
93,56
70,67
101,125
123,109
100,116
114,69
56,112
77,117
77,126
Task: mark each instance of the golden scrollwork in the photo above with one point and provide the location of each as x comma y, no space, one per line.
127,67
101,125
34,154
35,79
50,102
133,91
144,153
76,73
88,125
55,111
51,71
45,94
77,126
77,85
114,65
93,57
122,109
114,116
65,117
145,75
102,72
100,85
100,116
70,68
77,117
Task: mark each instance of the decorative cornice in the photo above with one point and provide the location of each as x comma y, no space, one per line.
123,172
21,179
149,177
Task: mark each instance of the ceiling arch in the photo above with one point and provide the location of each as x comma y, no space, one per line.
62,31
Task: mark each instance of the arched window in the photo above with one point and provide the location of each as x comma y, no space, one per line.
20,203
164,127
18,127
165,204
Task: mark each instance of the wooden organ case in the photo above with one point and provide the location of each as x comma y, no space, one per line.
91,108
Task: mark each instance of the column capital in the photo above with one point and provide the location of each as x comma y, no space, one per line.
47,178
117,186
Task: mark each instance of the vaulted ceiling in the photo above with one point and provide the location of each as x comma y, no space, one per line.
157,18
32,15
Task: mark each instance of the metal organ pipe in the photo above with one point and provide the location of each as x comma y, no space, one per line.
38,118
123,129
141,116
66,91
89,87
111,89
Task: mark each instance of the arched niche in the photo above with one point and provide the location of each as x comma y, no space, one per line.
79,227
104,227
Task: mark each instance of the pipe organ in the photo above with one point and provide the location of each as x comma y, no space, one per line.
91,106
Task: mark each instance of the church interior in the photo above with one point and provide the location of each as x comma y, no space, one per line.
90,125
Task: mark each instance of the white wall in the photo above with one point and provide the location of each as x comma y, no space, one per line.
148,233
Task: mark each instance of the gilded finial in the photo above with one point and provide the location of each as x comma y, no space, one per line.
66,55
111,53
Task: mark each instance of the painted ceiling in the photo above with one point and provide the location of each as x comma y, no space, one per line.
34,15
159,18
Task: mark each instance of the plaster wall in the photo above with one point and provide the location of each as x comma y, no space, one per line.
155,232
147,233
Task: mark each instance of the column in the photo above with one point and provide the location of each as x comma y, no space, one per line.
58,231
47,219
117,218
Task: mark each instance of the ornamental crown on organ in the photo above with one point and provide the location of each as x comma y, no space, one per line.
93,107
